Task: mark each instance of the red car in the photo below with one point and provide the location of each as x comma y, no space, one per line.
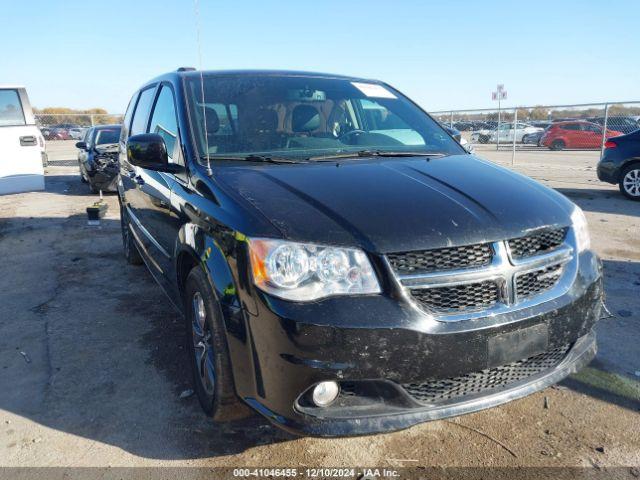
575,134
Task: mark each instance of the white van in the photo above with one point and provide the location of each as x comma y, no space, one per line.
22,148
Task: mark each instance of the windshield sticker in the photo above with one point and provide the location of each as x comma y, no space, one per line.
373,90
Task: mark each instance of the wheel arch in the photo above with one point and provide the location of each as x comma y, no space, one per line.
196,247
626,164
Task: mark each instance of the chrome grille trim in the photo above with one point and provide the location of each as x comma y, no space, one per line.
504,270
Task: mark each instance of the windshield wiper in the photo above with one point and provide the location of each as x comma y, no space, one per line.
250,158
374,153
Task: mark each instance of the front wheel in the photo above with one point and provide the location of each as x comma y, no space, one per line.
630,182
83,177
207,347
557,145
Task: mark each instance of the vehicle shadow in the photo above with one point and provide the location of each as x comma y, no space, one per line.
70,184
95,349
602,200
613,375
597,381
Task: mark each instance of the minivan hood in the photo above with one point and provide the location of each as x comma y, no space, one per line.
397,204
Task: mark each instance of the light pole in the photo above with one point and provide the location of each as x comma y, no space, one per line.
499,95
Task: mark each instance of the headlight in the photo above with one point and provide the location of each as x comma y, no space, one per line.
305,272
580,228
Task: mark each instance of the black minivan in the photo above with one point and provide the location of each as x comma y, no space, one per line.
343,265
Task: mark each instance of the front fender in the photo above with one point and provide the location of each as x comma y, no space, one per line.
223,257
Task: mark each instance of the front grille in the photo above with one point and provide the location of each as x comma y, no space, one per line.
490,380
450,258
532,283
457,298
537,243
465,290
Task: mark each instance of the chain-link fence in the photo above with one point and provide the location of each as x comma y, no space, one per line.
61,131
540,129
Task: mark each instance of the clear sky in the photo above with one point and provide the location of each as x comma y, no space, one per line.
443,54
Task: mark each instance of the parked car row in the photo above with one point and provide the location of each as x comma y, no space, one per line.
505,133
63,131
624,124
555,135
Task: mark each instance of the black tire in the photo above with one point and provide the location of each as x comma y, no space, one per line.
131,253
630,182
93,188
208,354
483,139
83,178
557,145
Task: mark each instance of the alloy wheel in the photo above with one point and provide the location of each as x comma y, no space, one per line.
631,182
202,347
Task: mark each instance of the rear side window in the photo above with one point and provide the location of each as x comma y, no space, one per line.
139,124
11,113
571,126
163,121
592,128
126,121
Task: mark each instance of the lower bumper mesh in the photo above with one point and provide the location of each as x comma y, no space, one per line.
484,382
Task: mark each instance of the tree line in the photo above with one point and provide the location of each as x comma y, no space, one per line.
91,116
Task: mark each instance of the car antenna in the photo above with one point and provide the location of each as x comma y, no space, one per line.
196,6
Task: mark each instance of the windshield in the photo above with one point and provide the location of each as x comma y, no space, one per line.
299,117
105,136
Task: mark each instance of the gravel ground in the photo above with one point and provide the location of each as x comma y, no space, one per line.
92,364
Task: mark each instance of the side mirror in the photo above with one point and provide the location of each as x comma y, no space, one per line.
81,145
149,151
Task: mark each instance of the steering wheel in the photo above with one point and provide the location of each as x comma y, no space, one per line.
350,133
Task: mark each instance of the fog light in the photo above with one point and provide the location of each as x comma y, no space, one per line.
324,393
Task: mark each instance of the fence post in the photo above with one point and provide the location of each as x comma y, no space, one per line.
92,124
604,129
451,120
515,131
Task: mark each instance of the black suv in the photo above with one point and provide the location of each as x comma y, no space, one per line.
344,266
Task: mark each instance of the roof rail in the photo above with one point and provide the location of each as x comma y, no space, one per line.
186,69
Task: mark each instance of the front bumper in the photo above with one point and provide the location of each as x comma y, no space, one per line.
286,348
104,177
